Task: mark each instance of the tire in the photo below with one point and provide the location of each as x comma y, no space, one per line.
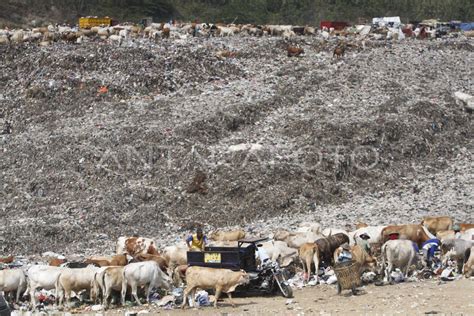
285,290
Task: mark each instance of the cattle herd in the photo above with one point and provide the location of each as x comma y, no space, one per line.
139,265
126,32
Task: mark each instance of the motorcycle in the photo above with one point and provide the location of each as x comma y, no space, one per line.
268,280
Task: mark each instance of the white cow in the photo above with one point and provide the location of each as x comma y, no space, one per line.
75,280
467,235
146,273
374,232
278,251
295,239
398,253
309,227
175,255
12,280
42,277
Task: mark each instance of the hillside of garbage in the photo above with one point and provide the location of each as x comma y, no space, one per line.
153,138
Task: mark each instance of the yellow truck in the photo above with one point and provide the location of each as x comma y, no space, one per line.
88,22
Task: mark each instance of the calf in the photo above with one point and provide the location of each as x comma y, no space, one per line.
12,280
397,254
306,254
322,250
147,273
220,280
437,224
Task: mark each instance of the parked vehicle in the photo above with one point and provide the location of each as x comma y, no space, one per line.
268,278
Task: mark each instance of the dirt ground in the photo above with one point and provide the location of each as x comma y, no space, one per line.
427,297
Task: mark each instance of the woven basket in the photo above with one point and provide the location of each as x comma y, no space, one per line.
348,275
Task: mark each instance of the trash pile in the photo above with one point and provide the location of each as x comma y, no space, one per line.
103,141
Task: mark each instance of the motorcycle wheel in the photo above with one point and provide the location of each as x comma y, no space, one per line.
285,289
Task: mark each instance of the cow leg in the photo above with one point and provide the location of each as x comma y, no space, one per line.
230,299
316,266
124,293
18,291
185,296
218,293
460,264
67,294
134,293
307,268
388,272
408,266
32,295
105,298
148,291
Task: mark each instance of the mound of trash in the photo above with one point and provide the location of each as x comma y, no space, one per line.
150,138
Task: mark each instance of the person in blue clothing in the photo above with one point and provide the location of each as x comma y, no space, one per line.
429,248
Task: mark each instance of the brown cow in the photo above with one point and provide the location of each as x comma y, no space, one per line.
55,262
339,51
162,262
437,224
321,250
232,235
294,51
465,226
136,245
8,259
221,280
361,225
166,33
306,254
413,232
179,275
117,260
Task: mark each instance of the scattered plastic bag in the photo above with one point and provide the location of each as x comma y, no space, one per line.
397,276
331,280
202,298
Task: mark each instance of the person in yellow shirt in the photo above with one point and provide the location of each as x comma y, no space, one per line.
197,241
